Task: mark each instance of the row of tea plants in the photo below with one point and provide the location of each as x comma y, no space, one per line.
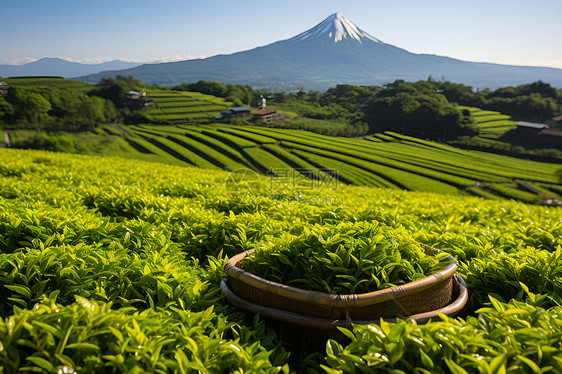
113,265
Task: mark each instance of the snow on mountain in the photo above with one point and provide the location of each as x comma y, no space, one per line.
333,52
337,28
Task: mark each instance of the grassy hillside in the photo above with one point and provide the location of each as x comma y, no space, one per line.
170,106
380,160
59,82
383,160
494,135
183,106
108,264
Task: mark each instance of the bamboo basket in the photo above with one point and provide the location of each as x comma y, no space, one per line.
460,297
421,299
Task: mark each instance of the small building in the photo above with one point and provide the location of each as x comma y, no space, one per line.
528,128
3,88
236,112
268,115
138,100
134,95
531,125
557,119
538,132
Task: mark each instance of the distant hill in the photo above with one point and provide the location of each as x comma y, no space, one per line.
335,51
59,67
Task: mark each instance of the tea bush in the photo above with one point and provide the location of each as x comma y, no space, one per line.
343,259
113,265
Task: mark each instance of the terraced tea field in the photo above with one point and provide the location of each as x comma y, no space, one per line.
491,124
114,265
36,82
383,160
182,106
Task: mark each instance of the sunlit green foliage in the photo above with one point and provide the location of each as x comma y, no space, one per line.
514,337
537,101
416,108
51,106
108,264
181,106
237,94
354,258
489,123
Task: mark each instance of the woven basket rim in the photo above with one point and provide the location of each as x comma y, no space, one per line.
451,309
343,300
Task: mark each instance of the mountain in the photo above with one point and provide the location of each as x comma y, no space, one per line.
60,67
334,51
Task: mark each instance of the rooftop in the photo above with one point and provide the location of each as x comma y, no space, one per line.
531,125
240,109
263,112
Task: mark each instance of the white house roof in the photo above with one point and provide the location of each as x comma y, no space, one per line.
531,125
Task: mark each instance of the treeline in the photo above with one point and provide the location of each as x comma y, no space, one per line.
424,108
237,94
537,101
336,112
116,91
55,108
414,108
417,109
341,102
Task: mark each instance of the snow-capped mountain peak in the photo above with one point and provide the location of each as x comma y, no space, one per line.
337,28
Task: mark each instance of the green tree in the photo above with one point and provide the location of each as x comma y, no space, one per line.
92,111
237,94
418,109
6,109
538,87
28,105
349,96
116,89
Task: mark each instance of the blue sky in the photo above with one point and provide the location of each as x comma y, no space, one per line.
509,32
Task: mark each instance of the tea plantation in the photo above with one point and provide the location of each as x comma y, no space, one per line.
382,160
174,106
114,265
490,124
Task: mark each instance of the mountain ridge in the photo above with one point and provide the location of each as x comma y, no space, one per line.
335,51
59,67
